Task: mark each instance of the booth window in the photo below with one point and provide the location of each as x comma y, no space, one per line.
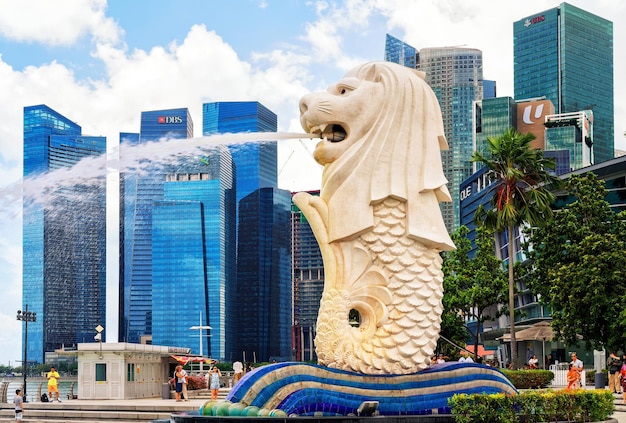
101,372
130,372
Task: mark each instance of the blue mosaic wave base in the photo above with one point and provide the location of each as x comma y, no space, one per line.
309,389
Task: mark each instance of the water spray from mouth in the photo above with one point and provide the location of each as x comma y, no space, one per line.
139,159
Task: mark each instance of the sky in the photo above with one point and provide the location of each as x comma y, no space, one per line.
101,63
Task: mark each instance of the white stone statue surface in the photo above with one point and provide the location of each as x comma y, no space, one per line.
377,218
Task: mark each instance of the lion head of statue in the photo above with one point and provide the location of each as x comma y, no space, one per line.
382,133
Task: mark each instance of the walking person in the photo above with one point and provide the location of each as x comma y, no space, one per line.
215,382
19,405
53,378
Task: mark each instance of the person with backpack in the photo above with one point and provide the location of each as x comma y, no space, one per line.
614,364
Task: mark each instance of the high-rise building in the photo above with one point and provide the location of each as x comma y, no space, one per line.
264,276
456,76
568,138
193,256
64,236
256,162
308,284
262,232
566,54
139,192
397,51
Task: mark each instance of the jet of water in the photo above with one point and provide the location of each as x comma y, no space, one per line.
139,158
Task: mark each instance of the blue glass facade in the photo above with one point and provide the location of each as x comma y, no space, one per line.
256,163
139,193
260,266
264,276
193,254
566,54
397,51
64,237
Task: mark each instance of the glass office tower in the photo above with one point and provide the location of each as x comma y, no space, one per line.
566,55
397,51
64,236
140,190
264,276
308,284
261,269
256,163
456,76
193,256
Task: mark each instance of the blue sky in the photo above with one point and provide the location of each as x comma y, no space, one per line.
100,63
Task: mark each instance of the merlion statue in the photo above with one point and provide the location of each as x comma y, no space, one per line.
377,218
380,231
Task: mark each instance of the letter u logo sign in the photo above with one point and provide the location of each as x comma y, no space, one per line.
527,112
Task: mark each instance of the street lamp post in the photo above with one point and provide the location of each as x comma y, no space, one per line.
201,328
98,338
26,316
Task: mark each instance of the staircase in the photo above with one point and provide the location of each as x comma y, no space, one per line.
119,411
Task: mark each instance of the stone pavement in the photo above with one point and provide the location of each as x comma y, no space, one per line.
137,410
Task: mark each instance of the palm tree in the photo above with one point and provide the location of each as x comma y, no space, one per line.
520,177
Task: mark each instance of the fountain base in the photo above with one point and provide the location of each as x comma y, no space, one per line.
292,390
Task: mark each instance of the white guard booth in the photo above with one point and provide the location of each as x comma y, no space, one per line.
123,370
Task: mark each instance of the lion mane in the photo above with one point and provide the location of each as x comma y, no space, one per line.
399,157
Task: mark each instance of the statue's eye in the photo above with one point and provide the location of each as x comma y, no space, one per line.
343,89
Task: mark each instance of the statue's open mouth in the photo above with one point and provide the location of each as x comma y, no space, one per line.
331,132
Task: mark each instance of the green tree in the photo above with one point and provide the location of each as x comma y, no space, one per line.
520,176
579,266
474,286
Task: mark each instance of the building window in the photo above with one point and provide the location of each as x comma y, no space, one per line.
130,372
101,372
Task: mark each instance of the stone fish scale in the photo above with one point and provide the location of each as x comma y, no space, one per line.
413,315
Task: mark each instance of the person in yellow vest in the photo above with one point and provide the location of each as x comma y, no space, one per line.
53,377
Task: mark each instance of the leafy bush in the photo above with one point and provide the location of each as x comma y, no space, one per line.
533,406
529,379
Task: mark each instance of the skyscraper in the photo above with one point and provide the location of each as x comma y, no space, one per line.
64,236
566,55
139,192
256,163
456,76
264,276
308,284
397,51
193,256
263,241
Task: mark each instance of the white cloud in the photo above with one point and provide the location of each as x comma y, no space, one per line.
203,68
59,22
